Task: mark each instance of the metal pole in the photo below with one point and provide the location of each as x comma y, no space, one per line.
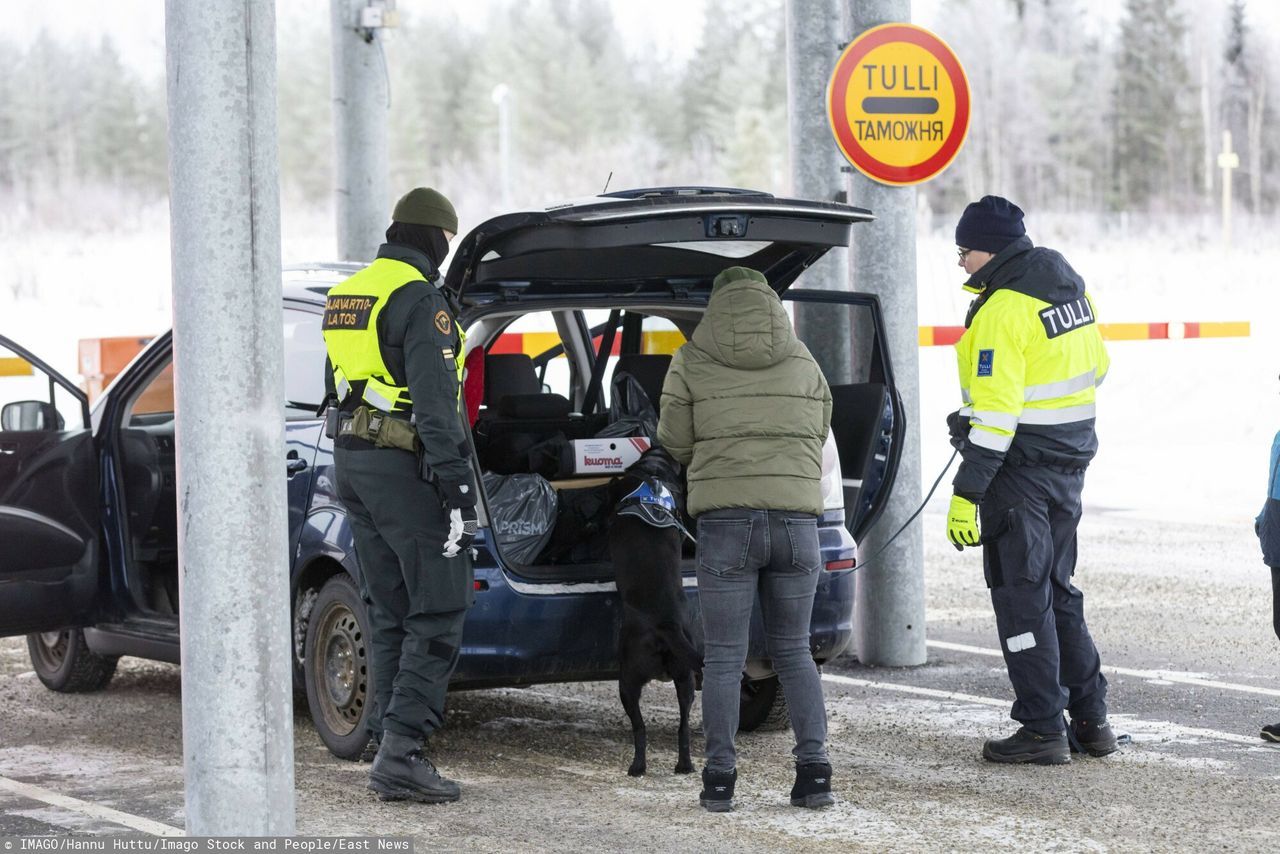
237,692
889,608
813,45
361,100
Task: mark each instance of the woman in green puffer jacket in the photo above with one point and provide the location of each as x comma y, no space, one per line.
746,409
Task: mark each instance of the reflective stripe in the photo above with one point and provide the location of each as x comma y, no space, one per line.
990,441
965,411
1059,416
999,420
344,387
1062,388
1099,380
965,396
372,396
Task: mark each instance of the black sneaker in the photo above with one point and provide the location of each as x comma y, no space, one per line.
401,773
1271,732
1094,737
1025,746
717,790
813,786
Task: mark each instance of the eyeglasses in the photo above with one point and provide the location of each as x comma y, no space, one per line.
963,253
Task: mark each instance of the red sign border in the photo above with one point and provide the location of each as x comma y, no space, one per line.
843,131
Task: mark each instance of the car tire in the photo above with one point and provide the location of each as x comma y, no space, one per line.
337,670
763,706
64,663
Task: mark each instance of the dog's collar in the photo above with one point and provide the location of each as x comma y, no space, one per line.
653,503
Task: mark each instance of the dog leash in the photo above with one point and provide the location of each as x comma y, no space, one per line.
919,509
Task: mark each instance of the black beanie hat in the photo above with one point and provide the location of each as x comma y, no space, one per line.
989,225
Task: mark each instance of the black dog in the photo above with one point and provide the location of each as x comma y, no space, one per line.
654,642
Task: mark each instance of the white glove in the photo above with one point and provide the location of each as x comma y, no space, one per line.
462,530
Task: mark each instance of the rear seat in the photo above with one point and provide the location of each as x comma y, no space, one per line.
649,369
518,415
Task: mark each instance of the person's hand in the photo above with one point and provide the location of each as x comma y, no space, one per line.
962,523
462,530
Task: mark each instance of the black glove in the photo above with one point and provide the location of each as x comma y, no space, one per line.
958,427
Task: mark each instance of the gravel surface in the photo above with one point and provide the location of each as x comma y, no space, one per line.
543,768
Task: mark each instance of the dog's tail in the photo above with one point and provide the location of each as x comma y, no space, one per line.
684,654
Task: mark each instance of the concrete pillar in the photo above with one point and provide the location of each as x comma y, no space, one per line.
237,694
361,101
889,609
813,44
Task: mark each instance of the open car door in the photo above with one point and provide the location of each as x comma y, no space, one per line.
867,415
49,519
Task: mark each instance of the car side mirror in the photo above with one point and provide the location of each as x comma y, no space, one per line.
30,415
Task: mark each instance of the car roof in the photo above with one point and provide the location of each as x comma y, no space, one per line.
310,281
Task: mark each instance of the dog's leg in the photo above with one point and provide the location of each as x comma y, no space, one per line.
684,692
629,689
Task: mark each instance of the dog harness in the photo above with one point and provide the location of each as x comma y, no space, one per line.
653,503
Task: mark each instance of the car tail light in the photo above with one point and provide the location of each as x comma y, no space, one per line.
833,565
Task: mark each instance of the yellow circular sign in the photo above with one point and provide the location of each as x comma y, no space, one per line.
898,103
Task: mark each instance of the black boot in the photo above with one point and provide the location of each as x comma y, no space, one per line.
370,749
1094,737
401,773
813,786
1026,746
1271,732
717,790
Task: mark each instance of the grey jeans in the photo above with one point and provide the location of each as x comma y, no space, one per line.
776,553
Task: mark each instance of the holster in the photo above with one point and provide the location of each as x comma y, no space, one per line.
383,430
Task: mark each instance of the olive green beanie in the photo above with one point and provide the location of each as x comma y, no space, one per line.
738,274
425,206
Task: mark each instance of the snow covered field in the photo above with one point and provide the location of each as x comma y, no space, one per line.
1185,425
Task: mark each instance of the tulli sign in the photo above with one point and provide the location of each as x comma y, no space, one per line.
898,104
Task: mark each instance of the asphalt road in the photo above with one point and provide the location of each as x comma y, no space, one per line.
1181,614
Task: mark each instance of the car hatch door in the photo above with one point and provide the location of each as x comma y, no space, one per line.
867,415
50,520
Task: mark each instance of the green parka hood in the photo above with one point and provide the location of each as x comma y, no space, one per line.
746,326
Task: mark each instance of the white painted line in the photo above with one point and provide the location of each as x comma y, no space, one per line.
36,793
1157,730
1157,676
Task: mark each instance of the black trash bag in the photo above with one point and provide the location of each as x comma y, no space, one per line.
631,413
522,514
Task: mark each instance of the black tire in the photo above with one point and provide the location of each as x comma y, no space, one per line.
337,670
64,663
763,706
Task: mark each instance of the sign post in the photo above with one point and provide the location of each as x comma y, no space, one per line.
898,105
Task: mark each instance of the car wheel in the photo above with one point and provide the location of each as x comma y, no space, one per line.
763,706
63,662
337,671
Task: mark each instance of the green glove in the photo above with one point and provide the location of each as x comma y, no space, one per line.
962,523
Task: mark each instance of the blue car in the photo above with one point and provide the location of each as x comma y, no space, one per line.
568,310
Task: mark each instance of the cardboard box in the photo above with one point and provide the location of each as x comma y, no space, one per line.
605,456
106,357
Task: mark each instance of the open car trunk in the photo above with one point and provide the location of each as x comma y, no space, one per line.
626,260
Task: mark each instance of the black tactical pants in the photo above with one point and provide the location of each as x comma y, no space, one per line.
417,598
1029,517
